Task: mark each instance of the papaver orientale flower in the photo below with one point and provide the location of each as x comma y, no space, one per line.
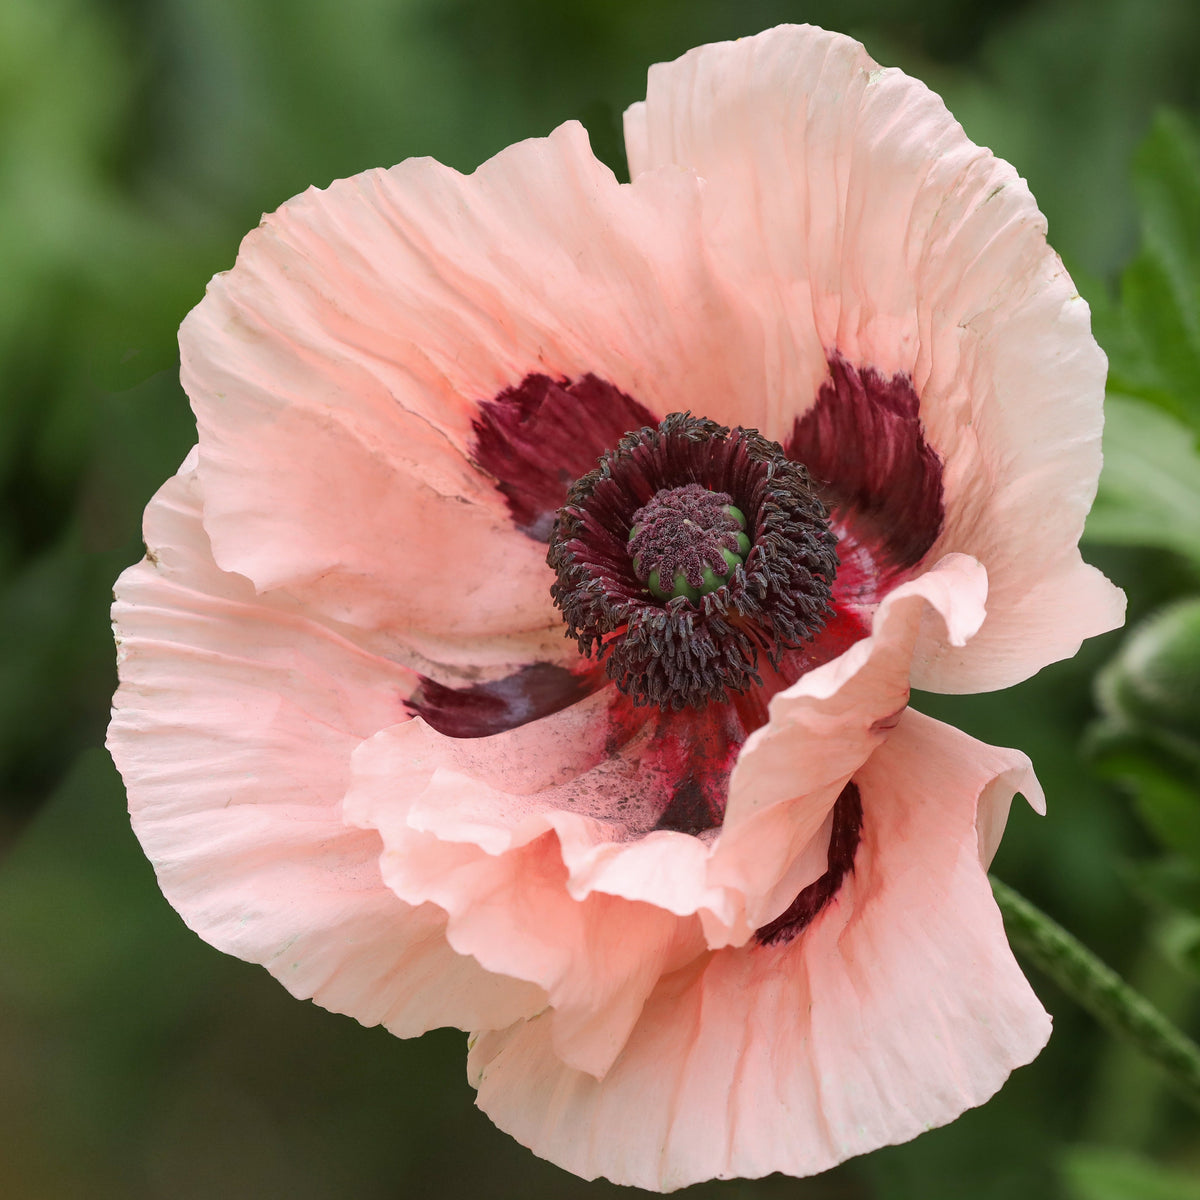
526,646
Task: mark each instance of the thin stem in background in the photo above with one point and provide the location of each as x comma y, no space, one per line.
1100,990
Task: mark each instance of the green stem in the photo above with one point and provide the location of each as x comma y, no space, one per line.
1100,990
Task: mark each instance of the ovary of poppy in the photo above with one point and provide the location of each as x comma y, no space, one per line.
710,897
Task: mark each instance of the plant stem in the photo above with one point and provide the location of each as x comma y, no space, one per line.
1100,991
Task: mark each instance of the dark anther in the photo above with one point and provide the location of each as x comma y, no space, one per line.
632,545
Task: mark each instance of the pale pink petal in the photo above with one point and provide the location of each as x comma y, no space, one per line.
821,730
570,773
233,727
896,1009
1052,616
520,872
849,202
336,370
995,801
604,894
450,811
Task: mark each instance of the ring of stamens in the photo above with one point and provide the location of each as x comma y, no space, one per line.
630,570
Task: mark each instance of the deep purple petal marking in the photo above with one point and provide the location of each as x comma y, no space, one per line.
537,438
536,690
843,845
693,808
864,444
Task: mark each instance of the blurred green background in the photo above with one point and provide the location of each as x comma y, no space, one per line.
139,139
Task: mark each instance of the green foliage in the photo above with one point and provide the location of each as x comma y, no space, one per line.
1171,881
1168,804
138,142
1181,942
1099,1174
1152,688
1148,737
1171,886
1156,355
1150,491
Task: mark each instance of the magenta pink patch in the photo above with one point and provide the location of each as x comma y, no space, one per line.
864,444
840,632
687,758
699,750
537,438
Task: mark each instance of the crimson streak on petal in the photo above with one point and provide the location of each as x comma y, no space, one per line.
537,438
864,444
843,845
696,750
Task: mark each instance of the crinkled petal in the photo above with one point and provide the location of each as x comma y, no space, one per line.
820,732
521,840
1050,618
233,727
576,773
337,370
847,200
898,1008
466,822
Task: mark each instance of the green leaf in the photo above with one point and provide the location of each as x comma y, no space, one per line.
1164,785
1149,736
1168,805
1173,882
1158,356
1098,1174
1150,489
1153,683
1180,940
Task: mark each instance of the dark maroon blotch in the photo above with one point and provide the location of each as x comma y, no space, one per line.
537,438
864,444
843,845
483,709
692,809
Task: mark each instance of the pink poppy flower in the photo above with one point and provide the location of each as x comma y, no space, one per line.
710,897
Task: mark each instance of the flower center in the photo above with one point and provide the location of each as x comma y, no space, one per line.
690,550
687,541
